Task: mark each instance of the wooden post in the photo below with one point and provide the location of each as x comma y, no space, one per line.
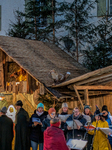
86,96
1,72
82,107
14,98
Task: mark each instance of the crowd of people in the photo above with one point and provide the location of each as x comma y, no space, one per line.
46,130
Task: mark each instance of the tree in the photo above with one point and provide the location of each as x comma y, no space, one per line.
39,19
100,53
76,21
20,28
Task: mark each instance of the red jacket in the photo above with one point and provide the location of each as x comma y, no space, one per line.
54,139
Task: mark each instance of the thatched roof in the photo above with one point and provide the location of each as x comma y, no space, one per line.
38,58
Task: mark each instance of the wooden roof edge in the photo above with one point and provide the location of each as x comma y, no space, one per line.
85,76
21,65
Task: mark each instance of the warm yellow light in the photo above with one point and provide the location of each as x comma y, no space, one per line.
17,83
1,98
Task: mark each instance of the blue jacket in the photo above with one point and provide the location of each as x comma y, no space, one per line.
109,137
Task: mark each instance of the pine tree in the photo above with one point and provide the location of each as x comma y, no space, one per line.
20,28
39,19
100,53
76,21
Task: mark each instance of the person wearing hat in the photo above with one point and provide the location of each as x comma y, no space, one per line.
46,121
105,113
21,128
54,137
63,112
100,140
36,134
87,111
6,130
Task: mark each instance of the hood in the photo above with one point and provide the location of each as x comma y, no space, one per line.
11,112
51,131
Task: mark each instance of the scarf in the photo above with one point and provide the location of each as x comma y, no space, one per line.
38,113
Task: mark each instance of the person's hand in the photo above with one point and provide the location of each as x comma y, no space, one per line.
36,123
40,123
78,127
69,128
110,134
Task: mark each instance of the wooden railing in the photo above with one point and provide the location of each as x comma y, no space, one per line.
16,87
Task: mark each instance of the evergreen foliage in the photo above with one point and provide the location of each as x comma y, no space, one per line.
38,19
100,53
20,28
76,21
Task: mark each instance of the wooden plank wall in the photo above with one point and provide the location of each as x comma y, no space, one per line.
96,100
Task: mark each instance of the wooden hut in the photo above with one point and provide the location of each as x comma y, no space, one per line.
93,88
37,59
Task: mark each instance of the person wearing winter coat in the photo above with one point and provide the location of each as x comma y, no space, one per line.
36,135
54,137
106,116
21,128
87,111
6,130
46,121
100,140
64,111
80,131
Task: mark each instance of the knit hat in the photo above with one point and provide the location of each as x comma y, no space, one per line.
64,105
104,108
51,110
55,122
87,106
40,105
19,103
3,110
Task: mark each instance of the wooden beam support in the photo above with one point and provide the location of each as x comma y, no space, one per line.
99,87
86,96
82,106
93,79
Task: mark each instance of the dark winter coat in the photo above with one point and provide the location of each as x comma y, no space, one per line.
54,139
78,134
64,125
22,130
36,133
6,133
46,123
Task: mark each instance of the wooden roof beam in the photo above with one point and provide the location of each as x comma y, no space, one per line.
86,76
99,87
101,77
